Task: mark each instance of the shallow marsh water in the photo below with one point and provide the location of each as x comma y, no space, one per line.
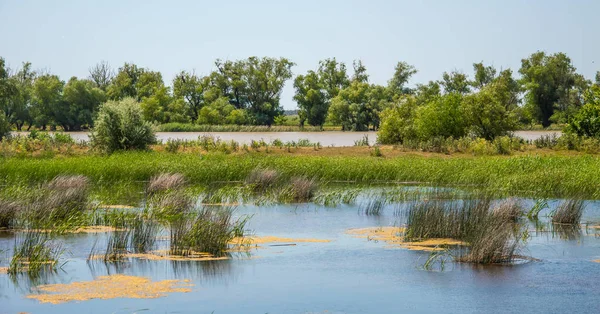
346,275
328,138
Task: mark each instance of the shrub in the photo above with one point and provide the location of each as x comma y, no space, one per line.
587,121
4,126
397,123
120,126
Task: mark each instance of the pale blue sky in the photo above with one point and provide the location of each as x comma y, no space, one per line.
67,37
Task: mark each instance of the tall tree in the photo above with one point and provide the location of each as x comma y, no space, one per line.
333,76
82,99
191,88
483,75
125,83
265,78
101,74
402,74
47,100
360,72
455,82
311,98
548,81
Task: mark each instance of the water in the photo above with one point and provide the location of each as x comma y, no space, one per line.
346,275
329,138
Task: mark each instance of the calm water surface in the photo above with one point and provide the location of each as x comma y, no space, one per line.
329,138
347,275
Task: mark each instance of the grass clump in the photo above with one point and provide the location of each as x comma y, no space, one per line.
569,212
166,181
492,236
262,179
208,230
8,213
509,210
34,253
61,203
302,189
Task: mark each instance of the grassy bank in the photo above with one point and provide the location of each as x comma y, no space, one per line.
544,175
188,127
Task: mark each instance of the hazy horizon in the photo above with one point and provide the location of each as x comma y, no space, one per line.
68,37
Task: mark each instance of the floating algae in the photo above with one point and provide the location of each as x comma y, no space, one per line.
109,287
255,240
394,238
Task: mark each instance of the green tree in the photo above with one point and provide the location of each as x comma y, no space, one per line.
357,107
548,81
191,88
47,100
265,79
397,122
4,126
360,72
311,98
427,92
101,75
485,114
125,83
483,75
120,126
221,111
18,106
402,74
81,101
333,77
455,82
442,117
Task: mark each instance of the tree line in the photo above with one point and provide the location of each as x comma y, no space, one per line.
248,91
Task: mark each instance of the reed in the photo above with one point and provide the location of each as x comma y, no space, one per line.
33,253
262,179
509,210
208,230
165,182
302,189
569,212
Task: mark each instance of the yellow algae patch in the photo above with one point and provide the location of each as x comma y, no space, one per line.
390,235
109,287
596,261
394,238
3,270
431,244
163,255
96,229
253,240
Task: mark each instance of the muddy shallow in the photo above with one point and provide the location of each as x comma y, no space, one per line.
329,138
346,275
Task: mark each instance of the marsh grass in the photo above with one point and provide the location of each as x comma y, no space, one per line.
534,212
118,244
170,205
144,230
33,253
510,210
569,212
208,230
165,182
61,204
262,179
8,213
373,206
302,189
492,235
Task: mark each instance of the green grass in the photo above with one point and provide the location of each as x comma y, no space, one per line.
549,176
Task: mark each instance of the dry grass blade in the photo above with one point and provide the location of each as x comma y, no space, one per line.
165,182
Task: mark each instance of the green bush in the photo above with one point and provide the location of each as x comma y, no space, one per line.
120,126
587,121
4,127
397,123
442,117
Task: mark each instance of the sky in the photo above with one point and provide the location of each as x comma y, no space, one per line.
68,37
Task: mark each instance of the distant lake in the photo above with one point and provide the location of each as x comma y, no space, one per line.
328,138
